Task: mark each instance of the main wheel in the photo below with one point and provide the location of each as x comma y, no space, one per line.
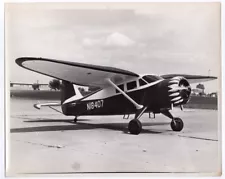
135,126
177,124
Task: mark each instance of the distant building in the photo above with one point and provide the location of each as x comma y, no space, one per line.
197,91
213,94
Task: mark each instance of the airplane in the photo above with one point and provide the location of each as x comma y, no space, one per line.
35,86
121,92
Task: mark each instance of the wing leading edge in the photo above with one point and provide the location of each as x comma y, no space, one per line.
77,73
191,78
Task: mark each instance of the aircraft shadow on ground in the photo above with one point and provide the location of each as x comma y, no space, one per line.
83,126
42,120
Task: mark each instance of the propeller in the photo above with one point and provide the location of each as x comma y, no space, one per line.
179,90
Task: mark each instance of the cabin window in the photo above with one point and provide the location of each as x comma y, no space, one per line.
131,85
142,82
121,87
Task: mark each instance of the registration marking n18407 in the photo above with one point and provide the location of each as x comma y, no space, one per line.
95,104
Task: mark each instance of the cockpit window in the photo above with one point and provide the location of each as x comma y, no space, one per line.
151,78
131,85
121,87
142,82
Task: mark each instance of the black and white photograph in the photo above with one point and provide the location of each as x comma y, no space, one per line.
108,88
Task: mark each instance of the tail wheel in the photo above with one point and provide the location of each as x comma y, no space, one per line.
135,126
177,124
75,119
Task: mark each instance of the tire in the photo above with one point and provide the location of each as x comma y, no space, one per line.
134,127
177,124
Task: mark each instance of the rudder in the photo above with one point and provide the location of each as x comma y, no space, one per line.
69,92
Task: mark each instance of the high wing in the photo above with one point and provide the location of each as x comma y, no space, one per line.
191,78
77,73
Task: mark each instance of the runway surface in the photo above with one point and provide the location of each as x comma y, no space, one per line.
44,141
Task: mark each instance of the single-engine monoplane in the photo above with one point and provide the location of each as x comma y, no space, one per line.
121,92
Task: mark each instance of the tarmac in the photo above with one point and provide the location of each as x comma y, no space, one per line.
47,142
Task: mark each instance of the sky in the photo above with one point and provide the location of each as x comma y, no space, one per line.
145,38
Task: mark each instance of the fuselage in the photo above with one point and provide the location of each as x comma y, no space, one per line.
151,91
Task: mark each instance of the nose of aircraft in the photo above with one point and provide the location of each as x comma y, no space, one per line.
179,90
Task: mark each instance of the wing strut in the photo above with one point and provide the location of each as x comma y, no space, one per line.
138,106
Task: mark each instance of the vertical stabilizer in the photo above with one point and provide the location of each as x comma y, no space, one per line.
69,92
77,92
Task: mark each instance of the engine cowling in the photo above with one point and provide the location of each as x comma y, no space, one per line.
179,90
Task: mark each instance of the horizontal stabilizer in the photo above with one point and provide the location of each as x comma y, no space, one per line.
39,105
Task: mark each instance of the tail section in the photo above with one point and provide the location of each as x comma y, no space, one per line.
77,92
69,92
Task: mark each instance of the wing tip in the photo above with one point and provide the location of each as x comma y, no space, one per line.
211,77
190,76
20,60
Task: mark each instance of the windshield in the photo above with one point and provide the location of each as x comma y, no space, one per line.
151,78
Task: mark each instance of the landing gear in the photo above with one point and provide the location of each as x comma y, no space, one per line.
135,126
176,123
75,119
